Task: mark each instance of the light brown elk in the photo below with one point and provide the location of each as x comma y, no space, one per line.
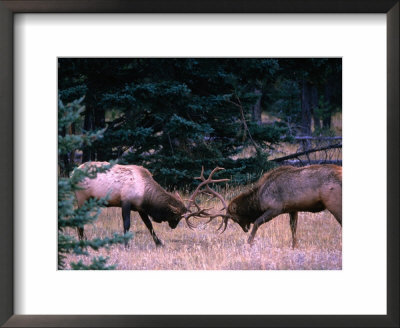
290,190
133,188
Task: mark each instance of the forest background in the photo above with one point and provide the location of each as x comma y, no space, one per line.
175,115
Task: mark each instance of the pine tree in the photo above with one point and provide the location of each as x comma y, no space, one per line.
68,215
175,115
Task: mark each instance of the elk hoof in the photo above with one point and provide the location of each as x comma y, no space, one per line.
250,241
159,244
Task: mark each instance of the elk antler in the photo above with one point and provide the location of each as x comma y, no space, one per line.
224,222
200,213
192,200
215,195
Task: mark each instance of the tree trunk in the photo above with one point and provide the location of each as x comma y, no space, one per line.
306,115
100,123
306,108
257,107
63,162
88,127
314,107
328,99
327,121
66,161
94,119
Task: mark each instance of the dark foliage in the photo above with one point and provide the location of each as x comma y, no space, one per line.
175,115
68,215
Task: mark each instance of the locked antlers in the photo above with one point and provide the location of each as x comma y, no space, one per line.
192,200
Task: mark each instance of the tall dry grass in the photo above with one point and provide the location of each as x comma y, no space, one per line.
319,244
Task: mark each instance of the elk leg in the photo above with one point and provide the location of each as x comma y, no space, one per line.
81,233
336,211
293,226
334,204
126,216
338,217
267,216
149,226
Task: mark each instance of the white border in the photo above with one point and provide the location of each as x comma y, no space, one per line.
360,288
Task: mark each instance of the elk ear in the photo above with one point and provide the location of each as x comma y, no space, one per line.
233,207
174,209
179,196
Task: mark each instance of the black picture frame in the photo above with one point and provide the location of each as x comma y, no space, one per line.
8,200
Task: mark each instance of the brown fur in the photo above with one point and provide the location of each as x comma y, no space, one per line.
132,188
290,190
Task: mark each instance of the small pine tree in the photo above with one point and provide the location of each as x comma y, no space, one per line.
68,215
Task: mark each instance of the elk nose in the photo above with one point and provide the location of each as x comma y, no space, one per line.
173,224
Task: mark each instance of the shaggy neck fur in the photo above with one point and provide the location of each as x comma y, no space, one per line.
161,205
248,205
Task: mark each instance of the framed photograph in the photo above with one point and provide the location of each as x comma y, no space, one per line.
171,87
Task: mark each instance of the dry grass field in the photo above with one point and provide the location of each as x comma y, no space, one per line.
319,244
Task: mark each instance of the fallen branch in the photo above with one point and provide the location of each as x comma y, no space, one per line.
296,155
317,138
313,138
300,163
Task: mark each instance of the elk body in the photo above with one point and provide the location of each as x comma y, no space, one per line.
133,188
290,190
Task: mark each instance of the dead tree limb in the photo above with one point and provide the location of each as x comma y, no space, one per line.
239,105
298,162
317,138
296,155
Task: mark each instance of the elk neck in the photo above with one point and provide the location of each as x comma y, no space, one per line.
161,205
248,205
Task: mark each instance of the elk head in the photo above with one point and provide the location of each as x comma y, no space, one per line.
231,212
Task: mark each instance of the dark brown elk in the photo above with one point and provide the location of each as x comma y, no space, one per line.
290,190
133,188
